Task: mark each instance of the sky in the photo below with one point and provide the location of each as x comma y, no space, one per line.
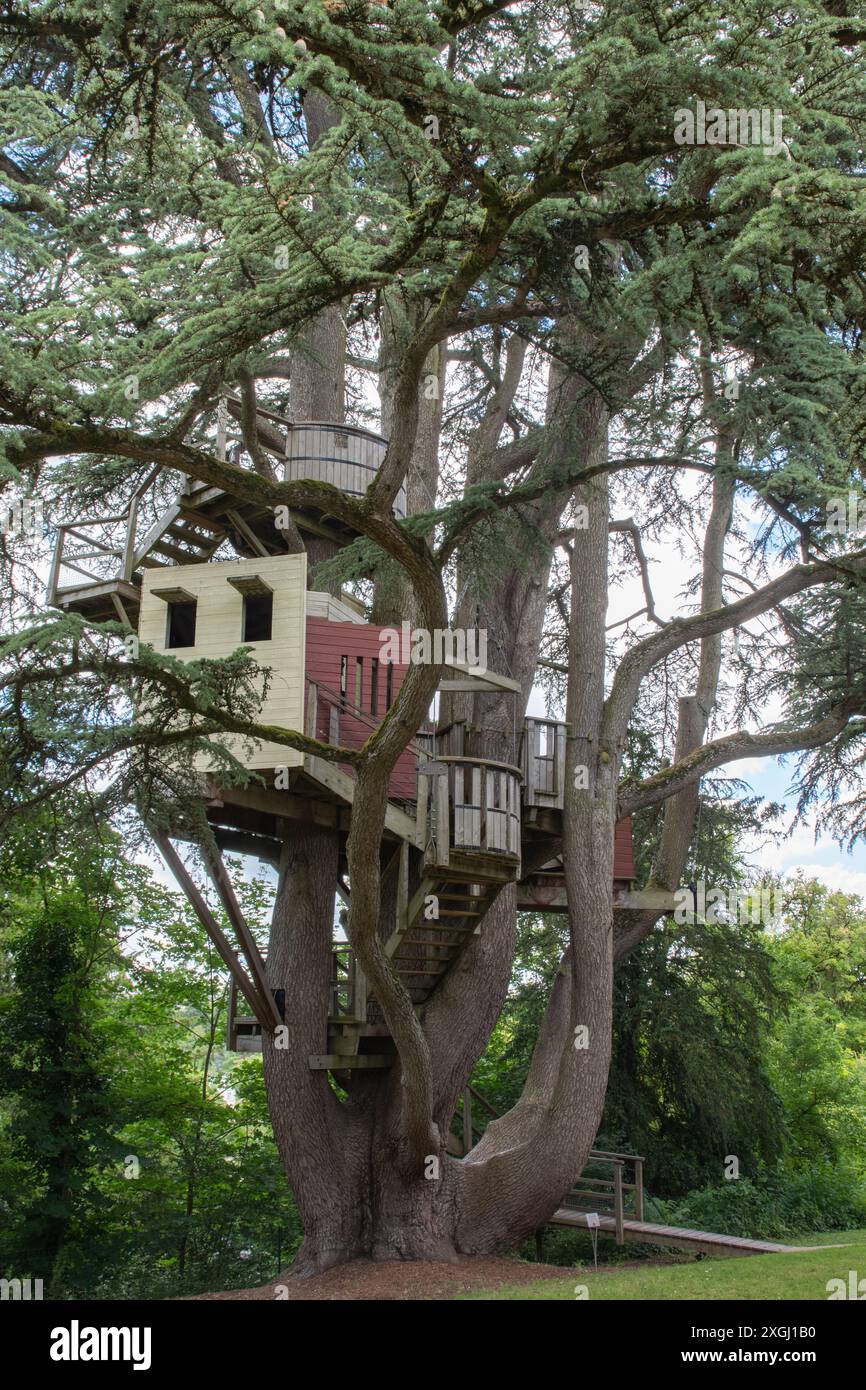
815,856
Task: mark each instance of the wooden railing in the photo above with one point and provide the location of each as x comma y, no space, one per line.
543,762
324,700
348,985
612,1194
347,1000
83,540
471,805
619,1192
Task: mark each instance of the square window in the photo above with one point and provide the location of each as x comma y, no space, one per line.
258,617
181,625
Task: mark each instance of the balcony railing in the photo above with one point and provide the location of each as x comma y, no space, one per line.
471,805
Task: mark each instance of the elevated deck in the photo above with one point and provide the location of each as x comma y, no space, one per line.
99,560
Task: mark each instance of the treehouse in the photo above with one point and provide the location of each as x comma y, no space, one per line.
206,573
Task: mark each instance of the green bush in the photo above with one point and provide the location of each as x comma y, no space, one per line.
777,1205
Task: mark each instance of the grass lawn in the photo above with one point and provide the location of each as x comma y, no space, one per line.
798,1276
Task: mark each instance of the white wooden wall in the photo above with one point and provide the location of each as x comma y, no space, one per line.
219,631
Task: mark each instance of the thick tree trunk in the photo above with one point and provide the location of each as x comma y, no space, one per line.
319,1147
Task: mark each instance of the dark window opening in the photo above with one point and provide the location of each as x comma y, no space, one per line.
258,617
181,625
389,685
374,685
359,681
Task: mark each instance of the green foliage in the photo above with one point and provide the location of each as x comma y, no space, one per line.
775,1206
136,1158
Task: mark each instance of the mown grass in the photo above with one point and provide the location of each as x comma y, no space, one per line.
800,1276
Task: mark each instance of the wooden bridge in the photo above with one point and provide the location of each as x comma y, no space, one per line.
608,1196
202,572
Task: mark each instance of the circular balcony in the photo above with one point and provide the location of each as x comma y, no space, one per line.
344,455
470,806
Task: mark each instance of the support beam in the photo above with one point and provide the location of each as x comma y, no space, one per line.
219,874
212,927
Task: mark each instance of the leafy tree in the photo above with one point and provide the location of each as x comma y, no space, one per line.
303,203
818,1052
60,932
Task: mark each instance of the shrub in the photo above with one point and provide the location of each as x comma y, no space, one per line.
777,1205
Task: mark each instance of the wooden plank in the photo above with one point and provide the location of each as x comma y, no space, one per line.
54,573
248,534
121,611
212,927
710,1242
168,516
219,874
128,558
441,820
364,1061
251,584
173,595
491,680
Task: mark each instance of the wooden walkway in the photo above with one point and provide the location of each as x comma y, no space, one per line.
678,1237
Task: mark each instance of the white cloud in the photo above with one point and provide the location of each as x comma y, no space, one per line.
838,877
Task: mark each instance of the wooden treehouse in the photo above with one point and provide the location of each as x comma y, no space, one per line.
202,573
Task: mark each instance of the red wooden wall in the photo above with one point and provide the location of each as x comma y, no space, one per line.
623,852
327,644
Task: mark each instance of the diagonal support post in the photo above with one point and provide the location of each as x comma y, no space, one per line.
260,1006
215,865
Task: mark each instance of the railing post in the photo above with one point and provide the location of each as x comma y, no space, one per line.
335,984
54,576
638,1189
222,427
359,992
617,1202
312,708
129,544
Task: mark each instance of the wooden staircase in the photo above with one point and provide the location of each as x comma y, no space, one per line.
439,921
189,531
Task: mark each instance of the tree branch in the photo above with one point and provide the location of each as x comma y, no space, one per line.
732,747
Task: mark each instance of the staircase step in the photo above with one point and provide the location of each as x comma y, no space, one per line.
425,959
457,912
422,941
202,521
462,897
183,557
193,536
432,973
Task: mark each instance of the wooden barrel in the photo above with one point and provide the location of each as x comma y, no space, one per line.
343,455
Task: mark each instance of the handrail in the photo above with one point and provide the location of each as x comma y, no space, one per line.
346,706
477,762
123,552
614,1187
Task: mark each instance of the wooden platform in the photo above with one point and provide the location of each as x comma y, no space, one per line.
677,1237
